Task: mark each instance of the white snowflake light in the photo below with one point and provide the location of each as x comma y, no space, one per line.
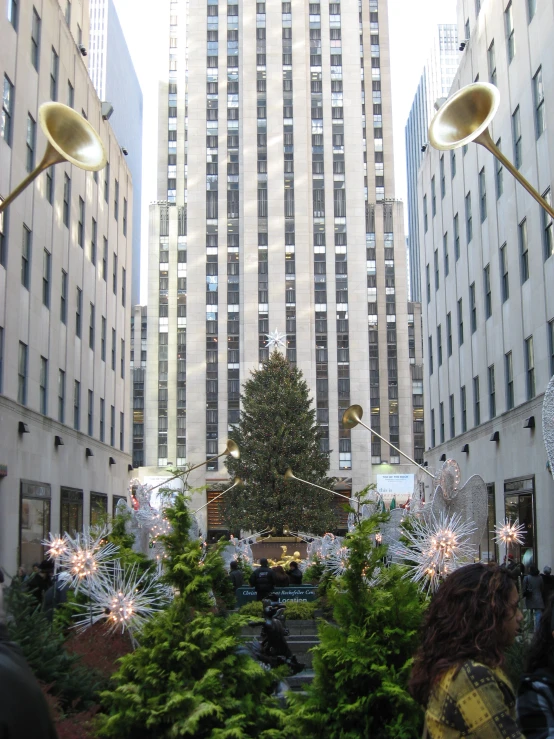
55,545
337,560
275,339
509,533
435,547
125,598
86,556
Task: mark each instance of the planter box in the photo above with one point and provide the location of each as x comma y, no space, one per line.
298,593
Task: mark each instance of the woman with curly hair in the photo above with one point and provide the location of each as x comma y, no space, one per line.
457,673
535,700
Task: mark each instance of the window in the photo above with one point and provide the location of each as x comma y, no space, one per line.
77,405
445,254
460,323
113,348
105,260
124,216
91,327
31,142
482,195
452,164
452,417
469,219
35,39
93,238
103,340
99,508
433,436
550,346
516,133
123,286
499,172
510,38
70,94
531,9
547,239
476,402
463,408
54,67
50,185
425,220
116,200
504,281
61,396
439,343
81,223
509,369
441,422
433,198
78,312
66,199
472,308
112,425
63,298
1,358
523,251
427,275
90,414
26,257
491,58
430,355
107,182
456,237
71,510
121,431
3,237
114,274
492,393
7,112
68,12
122,358
530,367
487,290
22,374
43,390
436,265
538,97
102,418
13,12
46,270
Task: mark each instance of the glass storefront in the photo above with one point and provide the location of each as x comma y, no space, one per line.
34,522
98,508
519,498
71,511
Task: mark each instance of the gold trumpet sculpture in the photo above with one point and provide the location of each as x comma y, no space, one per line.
353,416
238,481
70,138
464,118
289,475
232,450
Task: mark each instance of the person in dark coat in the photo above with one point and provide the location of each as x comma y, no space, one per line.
263,580
535,700
236,575
532,592
280,576
40,582
23,707
547,583
295,573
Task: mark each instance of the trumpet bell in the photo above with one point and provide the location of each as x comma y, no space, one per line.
289,474
464,116
352,416
232,449
72,136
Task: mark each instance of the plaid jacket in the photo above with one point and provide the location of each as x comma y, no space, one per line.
472,701
535,705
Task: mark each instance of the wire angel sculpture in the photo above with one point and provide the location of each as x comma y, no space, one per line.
548,423
86,556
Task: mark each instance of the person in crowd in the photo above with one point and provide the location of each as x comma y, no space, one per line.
535,700
55,596
280,576
295,573
262,579
235,575
547,583
514,568
20,578
40,582
533,594
457,674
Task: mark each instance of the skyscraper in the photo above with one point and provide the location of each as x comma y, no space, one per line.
276,214
113,75
435,83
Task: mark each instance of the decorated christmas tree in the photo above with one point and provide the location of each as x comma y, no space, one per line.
277,430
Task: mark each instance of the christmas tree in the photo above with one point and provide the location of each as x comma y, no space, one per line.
277,430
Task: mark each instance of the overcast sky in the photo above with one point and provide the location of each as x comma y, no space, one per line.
411,28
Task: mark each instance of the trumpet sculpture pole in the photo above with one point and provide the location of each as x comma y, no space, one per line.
289,475
353,416
238,481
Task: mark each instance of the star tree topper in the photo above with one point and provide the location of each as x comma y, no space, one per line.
275,339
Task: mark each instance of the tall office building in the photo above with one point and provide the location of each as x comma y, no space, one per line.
65,264
487,269
113,75
435,83
276,213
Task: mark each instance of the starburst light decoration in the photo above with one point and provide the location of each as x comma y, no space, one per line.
433,547
56,545
336,560
509,533
125,598
275,339
86,557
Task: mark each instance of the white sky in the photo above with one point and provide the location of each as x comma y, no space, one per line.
412,23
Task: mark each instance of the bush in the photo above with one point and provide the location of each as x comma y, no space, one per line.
295,610
253,609
314,571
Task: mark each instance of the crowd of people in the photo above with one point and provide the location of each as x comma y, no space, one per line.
264,579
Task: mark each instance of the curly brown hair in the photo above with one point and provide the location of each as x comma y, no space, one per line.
465,620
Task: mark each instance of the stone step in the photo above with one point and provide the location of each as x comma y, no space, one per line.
298,683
